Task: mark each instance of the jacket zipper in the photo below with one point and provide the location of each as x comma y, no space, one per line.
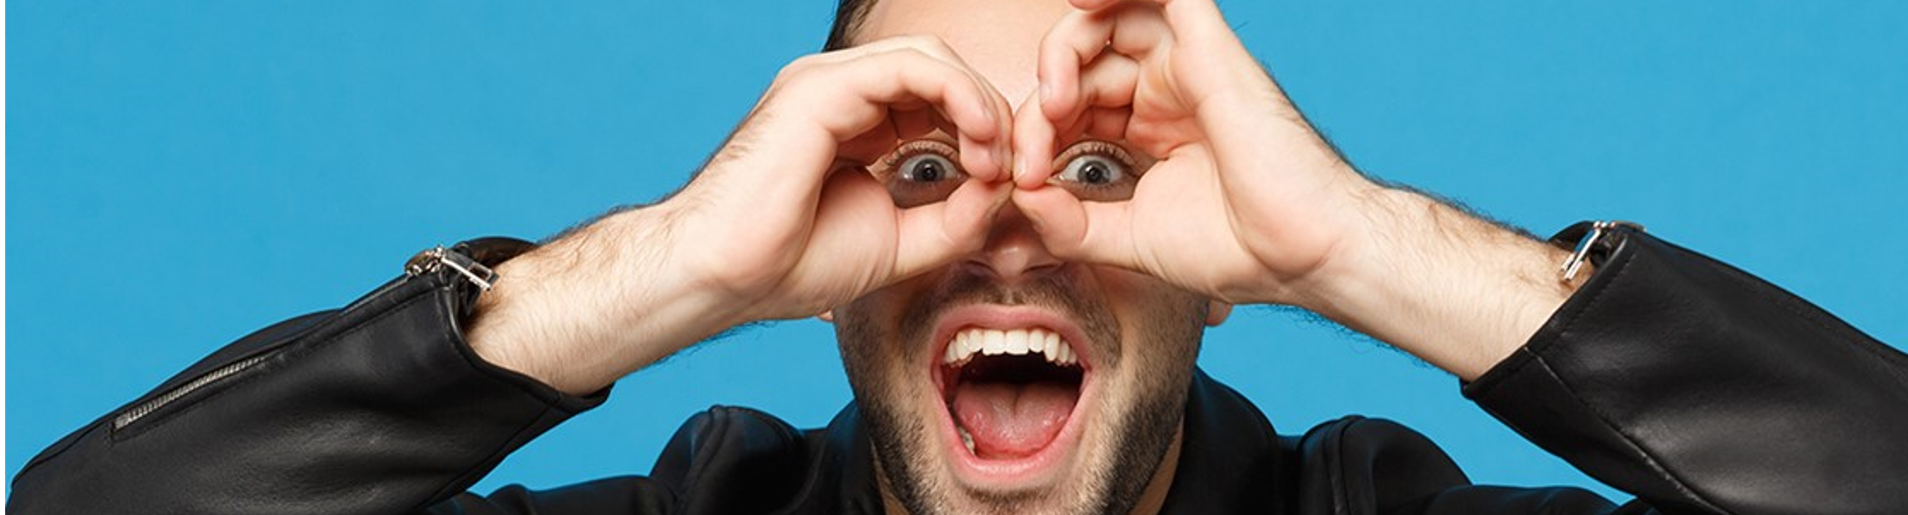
428,261
147,408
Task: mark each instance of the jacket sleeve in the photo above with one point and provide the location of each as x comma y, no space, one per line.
1702,389
379,407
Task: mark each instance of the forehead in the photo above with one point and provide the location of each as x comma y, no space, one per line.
1000,39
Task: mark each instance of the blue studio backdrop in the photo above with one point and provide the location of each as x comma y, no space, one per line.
186,172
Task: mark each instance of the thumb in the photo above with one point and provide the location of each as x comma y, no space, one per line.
931,235
1092,232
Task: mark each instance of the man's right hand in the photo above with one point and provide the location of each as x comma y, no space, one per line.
783,222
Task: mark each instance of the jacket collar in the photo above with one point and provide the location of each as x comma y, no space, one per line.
1229,461
1230,458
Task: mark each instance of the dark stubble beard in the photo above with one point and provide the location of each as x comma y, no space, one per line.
1142,425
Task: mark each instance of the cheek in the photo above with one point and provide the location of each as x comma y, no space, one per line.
1161,325
868,331
864,332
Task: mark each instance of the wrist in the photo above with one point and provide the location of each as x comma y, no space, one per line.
1453,289
587,309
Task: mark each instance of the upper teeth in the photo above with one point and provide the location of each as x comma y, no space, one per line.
1018,342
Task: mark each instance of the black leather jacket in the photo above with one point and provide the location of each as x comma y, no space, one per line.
1688,383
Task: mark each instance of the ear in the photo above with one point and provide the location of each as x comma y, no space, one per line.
827,316
1217,312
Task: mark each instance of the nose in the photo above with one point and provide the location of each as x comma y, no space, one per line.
1014,250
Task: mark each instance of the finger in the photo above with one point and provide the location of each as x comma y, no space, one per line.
822,110
932,235
998,149
1144,26
864,89
1001,148
1033,138
1198,19
1204,35
846,201
1037,140
1075,40
931,45
835,105
1107,87
1090,232
919,124
982,161
1190,16
1110,81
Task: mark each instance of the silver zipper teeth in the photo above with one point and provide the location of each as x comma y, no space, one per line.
146,408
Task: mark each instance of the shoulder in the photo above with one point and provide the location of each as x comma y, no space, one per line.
1372,465
733,453
1356,437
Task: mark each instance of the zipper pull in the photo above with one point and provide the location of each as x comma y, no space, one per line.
437,258
1582,253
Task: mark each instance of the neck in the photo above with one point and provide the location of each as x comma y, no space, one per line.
1154,497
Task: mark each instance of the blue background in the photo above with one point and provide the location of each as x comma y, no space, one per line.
185,172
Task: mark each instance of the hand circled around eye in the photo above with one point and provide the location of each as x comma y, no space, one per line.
921,172
1098,171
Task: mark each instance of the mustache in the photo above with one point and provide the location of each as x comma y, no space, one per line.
1053,291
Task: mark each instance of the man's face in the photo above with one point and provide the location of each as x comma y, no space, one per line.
1011,381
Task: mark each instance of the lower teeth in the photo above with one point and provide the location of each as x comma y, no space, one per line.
966,439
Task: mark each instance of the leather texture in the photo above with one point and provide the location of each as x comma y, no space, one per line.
1681,380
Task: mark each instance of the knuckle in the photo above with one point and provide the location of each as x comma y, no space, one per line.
799,67
924,45
802,79
932,43
918,40
905,53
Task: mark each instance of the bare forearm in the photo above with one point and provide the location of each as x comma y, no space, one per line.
593,306
733,247
1457,291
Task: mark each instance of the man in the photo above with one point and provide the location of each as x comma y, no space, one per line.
1020,216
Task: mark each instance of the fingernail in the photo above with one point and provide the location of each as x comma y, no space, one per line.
1002,152
1020,167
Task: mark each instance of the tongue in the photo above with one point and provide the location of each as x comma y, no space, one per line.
1013,420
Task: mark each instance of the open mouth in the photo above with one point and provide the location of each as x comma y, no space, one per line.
1011,389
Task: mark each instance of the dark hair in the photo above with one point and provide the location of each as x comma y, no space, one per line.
848,17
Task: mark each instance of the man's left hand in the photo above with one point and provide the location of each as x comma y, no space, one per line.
1248,204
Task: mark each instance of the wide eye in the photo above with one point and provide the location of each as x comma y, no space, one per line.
927,167
1097,171
1093,170
923,172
